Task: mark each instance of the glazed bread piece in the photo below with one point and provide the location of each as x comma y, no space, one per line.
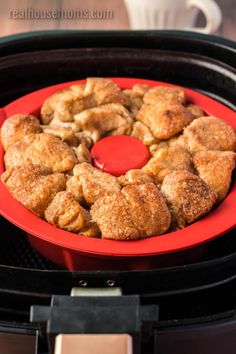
134,177
42,149
196,111
188,197
175,141
135,97
82,153
143,133
167,160
66,134
105,91
164,119
137,211
66,213
16,127
215,168
209,133
168,95
88,183
65,104
111,118
33,186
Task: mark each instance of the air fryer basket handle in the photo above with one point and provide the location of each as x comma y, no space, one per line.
93,343
118,322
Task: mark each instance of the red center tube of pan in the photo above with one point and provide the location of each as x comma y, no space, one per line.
118,154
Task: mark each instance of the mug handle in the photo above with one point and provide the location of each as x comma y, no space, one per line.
212,13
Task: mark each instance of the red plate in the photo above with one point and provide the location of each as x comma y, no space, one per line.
217,222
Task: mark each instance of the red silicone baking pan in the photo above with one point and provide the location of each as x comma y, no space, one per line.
82,253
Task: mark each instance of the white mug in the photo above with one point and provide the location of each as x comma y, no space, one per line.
173,14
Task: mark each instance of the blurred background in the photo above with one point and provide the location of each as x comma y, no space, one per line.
32,15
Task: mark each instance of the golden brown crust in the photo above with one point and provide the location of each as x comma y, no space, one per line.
215,168
168,95
195,110
47,110
134,177
111,214
16,127
175,141
135,97
63,105
167,160
146,199
33,186
164,120
209,133
91,229
66,213
68,132
188,196
65,134
85,139
139,90
41,149
93,183
123,215
110,118
56,123
74,187
105,91
82,153
142,132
